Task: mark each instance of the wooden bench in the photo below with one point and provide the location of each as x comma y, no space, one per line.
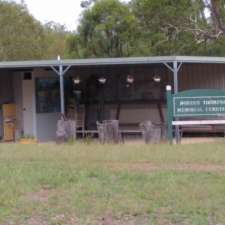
201,126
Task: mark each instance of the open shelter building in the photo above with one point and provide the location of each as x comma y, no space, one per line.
131,90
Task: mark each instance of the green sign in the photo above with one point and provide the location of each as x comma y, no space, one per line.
199,103
199,106
194,103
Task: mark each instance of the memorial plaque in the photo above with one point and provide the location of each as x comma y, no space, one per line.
199,106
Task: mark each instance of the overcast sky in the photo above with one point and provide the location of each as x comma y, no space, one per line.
62,11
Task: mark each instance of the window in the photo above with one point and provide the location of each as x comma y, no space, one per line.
27,76
47,95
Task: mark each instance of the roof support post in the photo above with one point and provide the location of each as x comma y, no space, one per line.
175,69
61,83
175,76
61,72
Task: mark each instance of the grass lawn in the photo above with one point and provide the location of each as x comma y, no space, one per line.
127,184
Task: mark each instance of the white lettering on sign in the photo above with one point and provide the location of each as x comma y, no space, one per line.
190,103
199,106
215,109
214,102
189,110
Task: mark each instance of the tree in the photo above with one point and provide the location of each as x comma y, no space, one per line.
143,27
213,15
55,39
21,36
107,29
165,26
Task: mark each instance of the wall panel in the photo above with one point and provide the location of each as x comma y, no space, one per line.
194,76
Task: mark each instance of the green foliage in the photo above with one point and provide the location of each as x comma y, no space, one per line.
106,29
110,28
22,37
114,28
160,22
144,27
55,39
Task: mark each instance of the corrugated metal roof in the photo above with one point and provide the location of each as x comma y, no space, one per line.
111,61
199,59
86,62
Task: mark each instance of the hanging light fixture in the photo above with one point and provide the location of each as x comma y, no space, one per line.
102,80
76,80
130,79
157,78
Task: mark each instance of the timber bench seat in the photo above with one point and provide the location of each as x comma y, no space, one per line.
211,129
201,126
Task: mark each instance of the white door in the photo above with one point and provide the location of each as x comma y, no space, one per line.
28,107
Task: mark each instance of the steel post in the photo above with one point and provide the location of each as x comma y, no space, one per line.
169,114
61,82
175,77
176,89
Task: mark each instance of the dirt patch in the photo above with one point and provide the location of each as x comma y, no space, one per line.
41,196
199,140
181,167
125,220
73,220
176,167
60,219
36,221
63,219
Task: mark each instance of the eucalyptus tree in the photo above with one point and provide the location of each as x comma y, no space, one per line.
107,29
149,27
55,39
165,25
21,36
